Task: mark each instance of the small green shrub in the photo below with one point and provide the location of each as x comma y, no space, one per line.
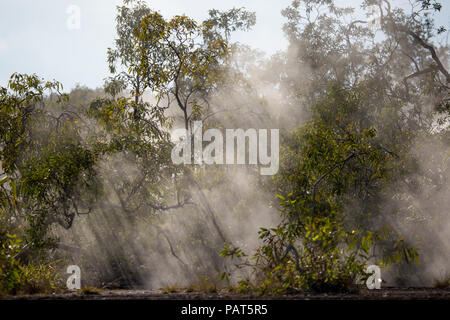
443,282
31,278
24,277
204,284
88,290
171,289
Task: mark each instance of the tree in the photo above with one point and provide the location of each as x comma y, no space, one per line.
368,102
48,169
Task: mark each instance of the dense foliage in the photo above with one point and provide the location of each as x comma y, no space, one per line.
87,177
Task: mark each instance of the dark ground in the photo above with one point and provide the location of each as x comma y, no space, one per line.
383,294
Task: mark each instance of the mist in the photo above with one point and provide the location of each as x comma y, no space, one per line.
362,171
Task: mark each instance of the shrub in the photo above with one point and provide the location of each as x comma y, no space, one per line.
18,276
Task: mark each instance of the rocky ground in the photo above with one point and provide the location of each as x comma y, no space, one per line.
383,294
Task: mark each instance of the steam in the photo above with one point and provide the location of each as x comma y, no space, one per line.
421,214
181,246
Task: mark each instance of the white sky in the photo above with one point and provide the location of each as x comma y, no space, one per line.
34,37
